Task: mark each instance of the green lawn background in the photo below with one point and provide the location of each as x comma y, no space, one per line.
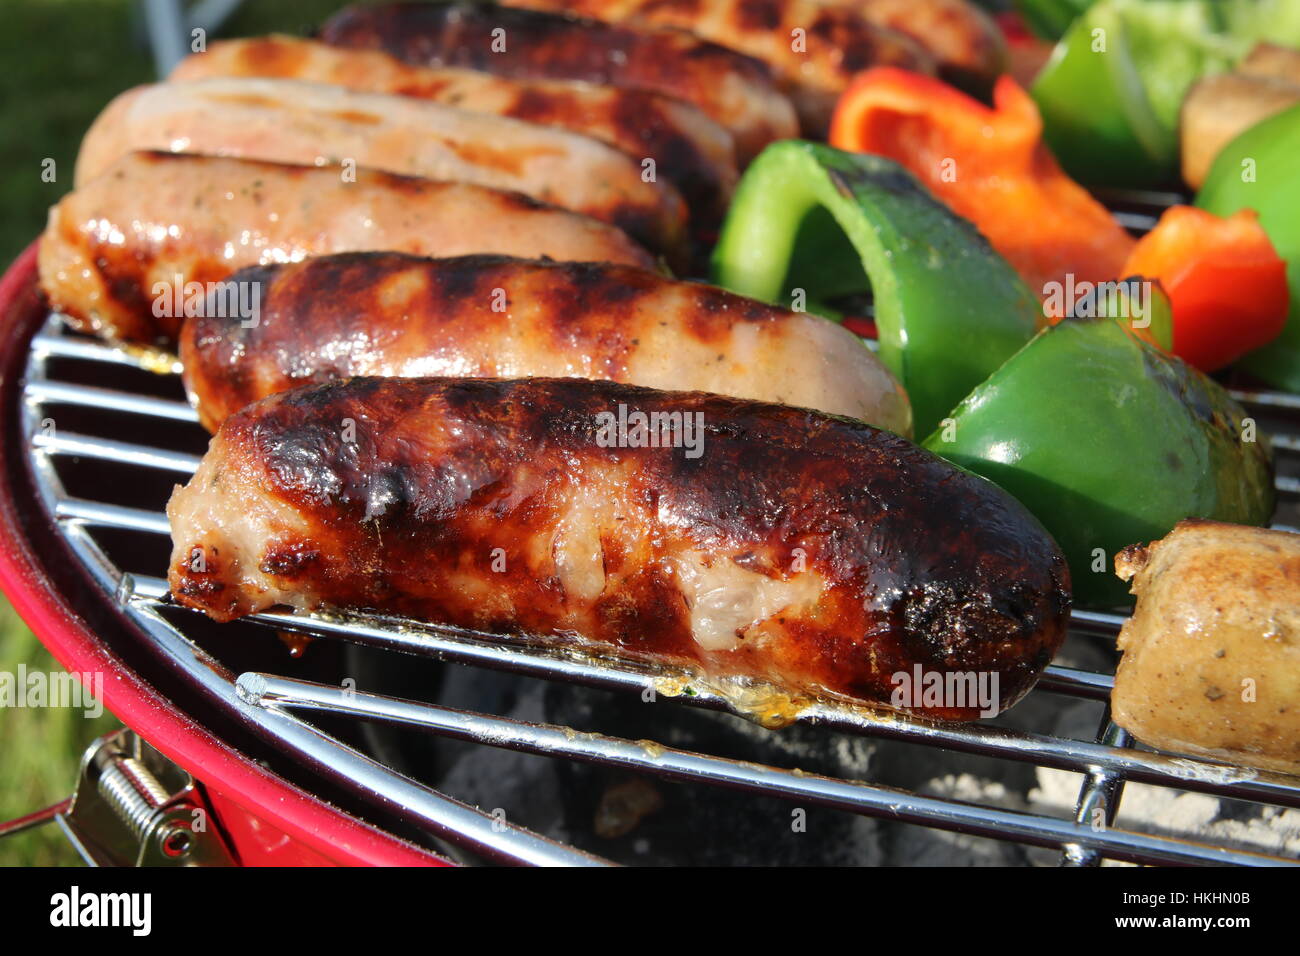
61,61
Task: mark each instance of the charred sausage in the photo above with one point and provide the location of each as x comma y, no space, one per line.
965,40
290,121
692,151
745,540
389,314
735,90
152,217
814,48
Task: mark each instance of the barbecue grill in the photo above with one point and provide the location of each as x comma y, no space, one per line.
300,764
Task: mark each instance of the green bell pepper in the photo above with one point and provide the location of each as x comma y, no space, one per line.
1050,19
1260,170
1109,442
1276,20
1111,92
816,223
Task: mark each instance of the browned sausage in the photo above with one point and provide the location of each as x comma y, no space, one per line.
742,539
114,243
390,314
966,41
692,151
735,90
814,48
1211,663
315,124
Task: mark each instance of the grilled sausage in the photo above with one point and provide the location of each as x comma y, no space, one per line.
288,121
735,90
1211,660
773,543
390,314
814,48
154,216
690,150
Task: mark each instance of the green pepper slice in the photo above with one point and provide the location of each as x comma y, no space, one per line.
1260,170
1050,19
1098,118
812,222
1109,442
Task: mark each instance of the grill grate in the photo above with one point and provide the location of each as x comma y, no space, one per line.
289,711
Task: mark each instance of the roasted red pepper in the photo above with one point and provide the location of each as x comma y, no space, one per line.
988,165
1225,281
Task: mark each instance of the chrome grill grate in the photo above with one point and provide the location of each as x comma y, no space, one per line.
288,710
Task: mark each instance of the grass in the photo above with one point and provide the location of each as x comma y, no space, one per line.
63,61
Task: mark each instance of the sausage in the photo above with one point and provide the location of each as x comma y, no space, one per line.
967,43
690,150
1211,661
744,540
153,216
735,90
289,121
391,314
814,48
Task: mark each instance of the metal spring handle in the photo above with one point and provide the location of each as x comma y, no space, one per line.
132,791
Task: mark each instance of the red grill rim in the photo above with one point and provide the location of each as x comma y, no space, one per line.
332,835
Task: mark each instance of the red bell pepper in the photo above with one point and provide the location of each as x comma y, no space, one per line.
990,166
1226,283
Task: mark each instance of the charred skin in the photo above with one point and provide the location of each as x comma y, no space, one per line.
492,316
153,216
838,40
692,151
316,124
735,90
812,552
964,39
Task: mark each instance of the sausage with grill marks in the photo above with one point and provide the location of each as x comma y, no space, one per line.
814,48
153,216
748,541
389,314
966,41
735,90
290,121
692,151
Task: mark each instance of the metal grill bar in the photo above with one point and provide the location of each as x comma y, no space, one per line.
109,449
467,826
1276,401
1136,220
111,516
500,653
1100,794
1106,762
851,796
48,392
52,342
